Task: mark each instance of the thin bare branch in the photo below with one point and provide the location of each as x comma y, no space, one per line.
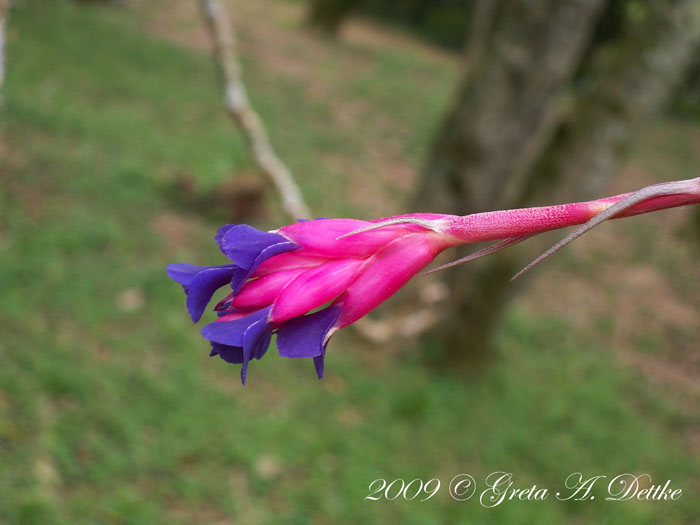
243,113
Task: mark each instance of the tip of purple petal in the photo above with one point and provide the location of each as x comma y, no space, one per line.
319,363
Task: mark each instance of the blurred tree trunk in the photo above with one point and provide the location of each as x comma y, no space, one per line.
482,20
328,15
519,133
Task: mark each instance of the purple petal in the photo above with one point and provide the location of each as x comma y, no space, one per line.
200,283
304,336
319,363
243,244
221,313
240,340
230,354
231,333
256,339
249,248
221,232
183,273
241,275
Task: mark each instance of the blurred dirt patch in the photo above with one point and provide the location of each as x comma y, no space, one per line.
176,230
130,300
656,330
238,198
12,166
189,512
176,20
367,34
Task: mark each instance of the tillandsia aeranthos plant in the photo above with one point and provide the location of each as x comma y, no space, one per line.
307,280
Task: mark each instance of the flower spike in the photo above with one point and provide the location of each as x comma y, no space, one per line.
280,281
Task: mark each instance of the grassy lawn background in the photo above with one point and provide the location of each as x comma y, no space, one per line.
110,409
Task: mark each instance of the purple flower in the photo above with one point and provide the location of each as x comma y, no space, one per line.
245,325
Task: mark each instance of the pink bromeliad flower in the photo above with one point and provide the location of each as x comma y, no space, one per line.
307,280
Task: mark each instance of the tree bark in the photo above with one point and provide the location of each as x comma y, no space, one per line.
626,82
517,135
479,30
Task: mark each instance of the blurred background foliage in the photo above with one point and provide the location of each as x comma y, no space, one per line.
116,159
445,23
450,23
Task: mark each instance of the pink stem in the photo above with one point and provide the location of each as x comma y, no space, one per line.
496,225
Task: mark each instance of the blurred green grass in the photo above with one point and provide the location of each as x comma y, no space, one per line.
112,413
